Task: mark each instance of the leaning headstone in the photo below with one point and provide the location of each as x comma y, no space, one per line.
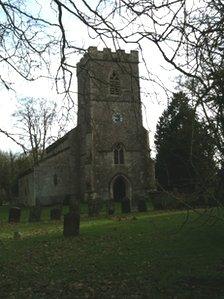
142,206
55,214
125,205
14,215
35,214
71,224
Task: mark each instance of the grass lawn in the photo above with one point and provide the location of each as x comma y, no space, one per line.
148,255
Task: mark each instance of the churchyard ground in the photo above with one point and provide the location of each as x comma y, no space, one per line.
141,255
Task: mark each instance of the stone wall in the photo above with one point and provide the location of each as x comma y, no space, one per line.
53,180
100,133
81,163
52,176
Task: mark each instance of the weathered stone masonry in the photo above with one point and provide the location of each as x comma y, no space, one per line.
107,155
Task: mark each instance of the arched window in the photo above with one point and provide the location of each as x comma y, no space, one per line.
118,154
114,84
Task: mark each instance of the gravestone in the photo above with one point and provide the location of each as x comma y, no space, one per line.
142,206
71,224
125,205
55,214
14,215
94,205
111,207
35,214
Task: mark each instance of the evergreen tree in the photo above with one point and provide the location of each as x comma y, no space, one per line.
185,150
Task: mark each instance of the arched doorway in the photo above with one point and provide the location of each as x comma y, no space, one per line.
120,188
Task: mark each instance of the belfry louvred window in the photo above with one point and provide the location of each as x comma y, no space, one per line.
118,154
114,84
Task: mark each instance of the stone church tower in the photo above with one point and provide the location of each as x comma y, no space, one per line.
107,155
114,150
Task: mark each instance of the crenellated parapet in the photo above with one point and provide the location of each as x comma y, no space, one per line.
107,55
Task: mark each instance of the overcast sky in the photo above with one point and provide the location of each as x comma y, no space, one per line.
153,104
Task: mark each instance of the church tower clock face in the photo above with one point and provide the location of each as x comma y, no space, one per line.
117,118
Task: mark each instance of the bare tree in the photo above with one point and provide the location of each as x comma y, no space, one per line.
188,34
176,27
35,119
25,39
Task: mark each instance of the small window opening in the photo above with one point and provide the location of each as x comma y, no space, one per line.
114,84
118,154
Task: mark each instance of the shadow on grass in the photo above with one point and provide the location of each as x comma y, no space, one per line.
138,255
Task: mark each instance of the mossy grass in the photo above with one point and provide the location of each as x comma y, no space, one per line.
159,254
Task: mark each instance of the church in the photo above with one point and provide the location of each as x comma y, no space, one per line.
107,155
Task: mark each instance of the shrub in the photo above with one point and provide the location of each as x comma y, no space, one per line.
174,200
3,197
167,201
